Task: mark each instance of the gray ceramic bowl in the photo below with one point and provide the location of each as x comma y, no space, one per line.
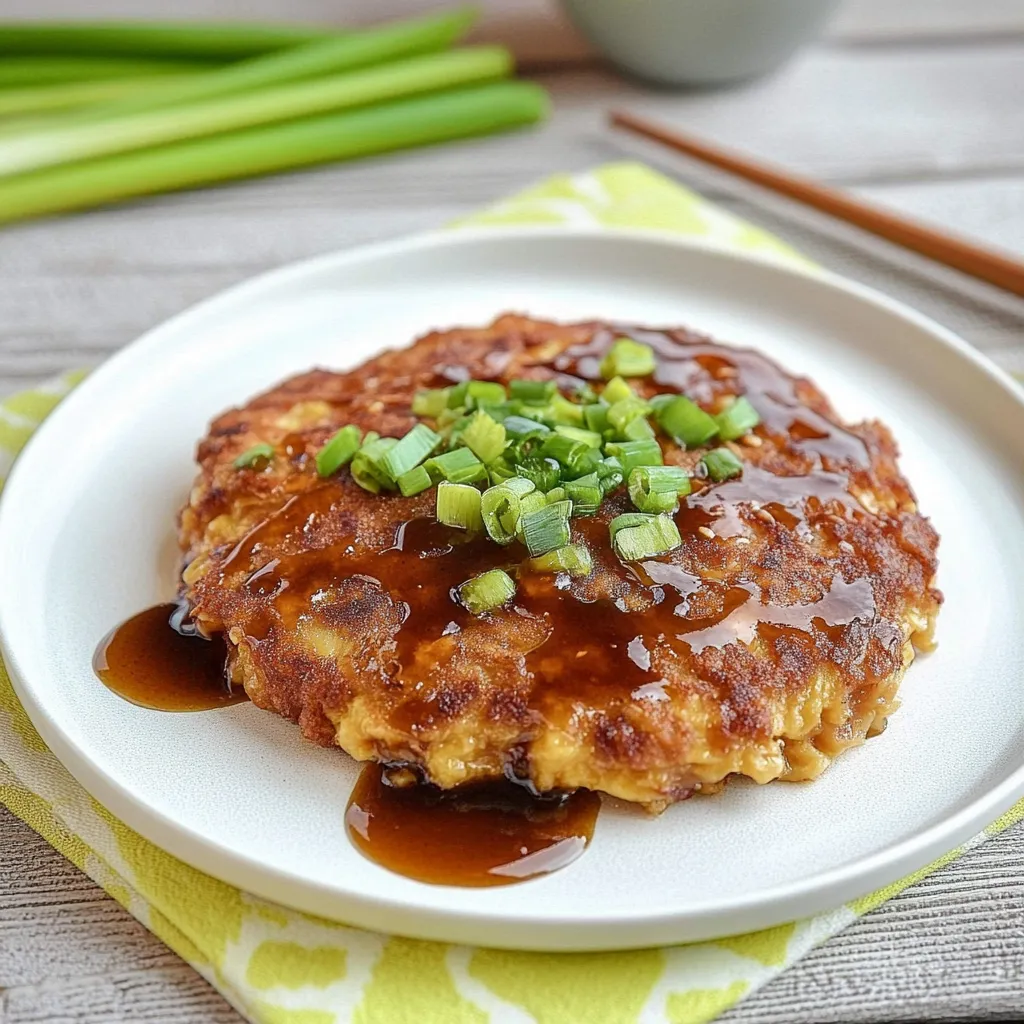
698,42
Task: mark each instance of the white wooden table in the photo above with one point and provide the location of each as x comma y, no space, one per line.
916,103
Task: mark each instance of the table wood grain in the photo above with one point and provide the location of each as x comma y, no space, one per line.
915,104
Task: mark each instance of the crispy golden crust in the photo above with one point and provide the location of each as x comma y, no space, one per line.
773,639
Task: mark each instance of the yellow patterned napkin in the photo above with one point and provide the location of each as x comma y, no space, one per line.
278,966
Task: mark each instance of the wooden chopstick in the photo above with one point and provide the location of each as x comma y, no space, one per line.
996,268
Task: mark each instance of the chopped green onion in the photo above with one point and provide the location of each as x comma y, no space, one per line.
543,472
482,391
628,358
415,481
446,418
431,403
501,470
586,463
561,410
257,453
585,394
638,429
738,419
459,505
547,528
591,438
658,402
500,410
530,503
655,536
411,450
563,449
483,437
458,395
635,453
573,558
596,416
658,488
459,466
338,450
626,521
609,473
368,469
555,494
454,431
721,464
500,510
585,494
616,390
624,411
487,591
533,392
686,422
519,427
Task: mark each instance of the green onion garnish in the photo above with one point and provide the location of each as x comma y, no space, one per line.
430,403
573,558
500,510
471,393
638,429
596,416
415,481
585,494
257,453
484,437
533,392
459,505
487,591
411,450
658,488
368,469
520,427
654,536
635,453
616,390
530,503
591,438
338,450
561,410
459,466
624,411
555,494
627,358
609,473
547,528
563,449
721,464
686,422
658,402
626,521
543,472
738,419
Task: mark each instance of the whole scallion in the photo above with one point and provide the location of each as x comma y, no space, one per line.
43,149
376,129
328,55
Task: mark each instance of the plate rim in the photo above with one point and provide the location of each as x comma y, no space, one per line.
812,894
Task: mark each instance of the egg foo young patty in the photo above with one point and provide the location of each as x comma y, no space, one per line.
772,638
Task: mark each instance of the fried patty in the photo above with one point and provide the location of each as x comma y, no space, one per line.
774,638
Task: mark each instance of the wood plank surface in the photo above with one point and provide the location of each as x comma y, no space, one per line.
915,104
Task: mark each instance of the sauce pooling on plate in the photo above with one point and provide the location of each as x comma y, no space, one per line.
157,660
483,835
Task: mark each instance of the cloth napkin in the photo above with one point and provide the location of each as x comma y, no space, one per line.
279,966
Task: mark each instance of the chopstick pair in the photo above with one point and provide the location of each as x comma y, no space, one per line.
998,269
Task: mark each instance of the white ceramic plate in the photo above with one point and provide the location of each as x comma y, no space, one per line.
86,539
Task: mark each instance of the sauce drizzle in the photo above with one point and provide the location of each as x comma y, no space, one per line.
497,834
157,660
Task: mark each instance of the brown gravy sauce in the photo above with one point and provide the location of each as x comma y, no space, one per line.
474,836
605,645
157,660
